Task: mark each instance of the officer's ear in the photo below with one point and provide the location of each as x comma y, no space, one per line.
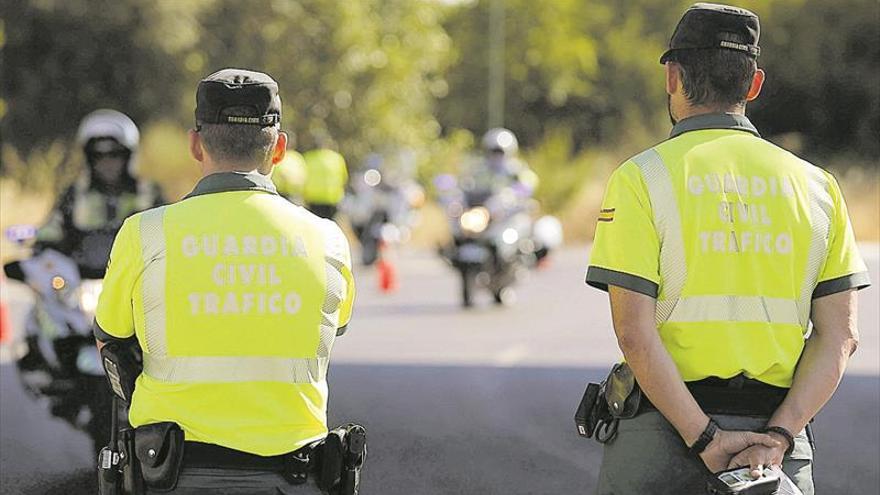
757,84
195,146
280,148
673,78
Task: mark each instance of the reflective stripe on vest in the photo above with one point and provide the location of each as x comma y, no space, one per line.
673,266
209,369
667,221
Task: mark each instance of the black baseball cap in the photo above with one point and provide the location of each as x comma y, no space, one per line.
710,25
239,97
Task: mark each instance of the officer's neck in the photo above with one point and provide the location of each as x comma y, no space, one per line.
210,167
688,111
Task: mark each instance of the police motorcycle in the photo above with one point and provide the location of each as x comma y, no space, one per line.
495,241
382,206
60,364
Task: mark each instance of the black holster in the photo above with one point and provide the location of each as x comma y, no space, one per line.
119,472
604,404
340,458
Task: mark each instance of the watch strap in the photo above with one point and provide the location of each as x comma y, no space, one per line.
705,438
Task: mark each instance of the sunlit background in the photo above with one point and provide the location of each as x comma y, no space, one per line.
456,401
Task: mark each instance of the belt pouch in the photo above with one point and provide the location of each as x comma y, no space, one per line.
159,448
586,418
622,393
132,482
354,457
332,458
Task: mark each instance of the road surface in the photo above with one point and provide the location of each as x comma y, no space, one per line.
475,402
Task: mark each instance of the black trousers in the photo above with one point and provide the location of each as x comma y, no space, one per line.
197,481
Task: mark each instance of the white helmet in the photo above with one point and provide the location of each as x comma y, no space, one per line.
110,124
500,139
106,123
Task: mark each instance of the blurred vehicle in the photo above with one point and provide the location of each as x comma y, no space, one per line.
495,241
494,237
61,363
382,207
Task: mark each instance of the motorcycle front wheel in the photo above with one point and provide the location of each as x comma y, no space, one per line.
468,278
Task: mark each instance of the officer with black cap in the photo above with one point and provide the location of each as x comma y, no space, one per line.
235,297
731,268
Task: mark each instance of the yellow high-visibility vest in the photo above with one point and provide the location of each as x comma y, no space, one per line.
235,296
734,237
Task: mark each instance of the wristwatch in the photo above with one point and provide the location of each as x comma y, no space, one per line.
783,432
705,438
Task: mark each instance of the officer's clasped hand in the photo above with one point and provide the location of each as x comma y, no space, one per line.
757,457
728,444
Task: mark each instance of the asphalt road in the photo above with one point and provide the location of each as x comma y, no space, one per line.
477,402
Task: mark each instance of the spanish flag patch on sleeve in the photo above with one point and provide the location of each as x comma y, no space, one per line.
606,215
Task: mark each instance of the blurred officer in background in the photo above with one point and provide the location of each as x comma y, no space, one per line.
326,178
235,296
289,176
90,212
732,271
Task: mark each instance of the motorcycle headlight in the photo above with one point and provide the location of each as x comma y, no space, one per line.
372,177
475,220
89,292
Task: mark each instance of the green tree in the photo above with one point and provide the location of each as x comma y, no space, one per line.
362,74
63,59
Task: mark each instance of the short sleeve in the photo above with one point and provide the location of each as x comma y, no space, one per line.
339,254
114,316
626,248
844,268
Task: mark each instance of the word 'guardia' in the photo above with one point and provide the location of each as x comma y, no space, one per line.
755,186
248,245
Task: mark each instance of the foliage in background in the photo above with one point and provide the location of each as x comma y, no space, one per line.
592,67
583,86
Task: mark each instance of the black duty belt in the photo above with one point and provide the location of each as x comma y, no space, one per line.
206,455
737,396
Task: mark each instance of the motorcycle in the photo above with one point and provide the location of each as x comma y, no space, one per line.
494,239
382,212
61,364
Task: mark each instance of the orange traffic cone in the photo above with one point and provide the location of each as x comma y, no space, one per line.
387,272
5,334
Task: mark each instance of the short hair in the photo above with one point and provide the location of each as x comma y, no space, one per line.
716,77
239,143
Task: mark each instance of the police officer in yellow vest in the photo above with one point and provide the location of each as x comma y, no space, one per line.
326,178
235,296
289,176
731,268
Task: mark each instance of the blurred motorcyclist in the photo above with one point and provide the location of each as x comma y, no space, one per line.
503,168
88,214
382,202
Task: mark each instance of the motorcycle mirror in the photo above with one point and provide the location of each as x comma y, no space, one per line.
21,233
13,271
